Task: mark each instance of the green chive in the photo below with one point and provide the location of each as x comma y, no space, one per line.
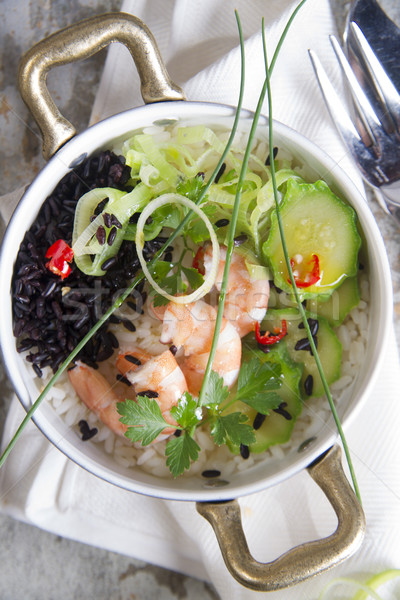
295,290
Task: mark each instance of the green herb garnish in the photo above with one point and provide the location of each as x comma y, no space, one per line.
255,384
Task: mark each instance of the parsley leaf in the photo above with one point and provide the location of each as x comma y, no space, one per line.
263,402
232,427
256,376
187,413
144,419
194,278
197,230
215,391
160,269
191,188
172,284
180,451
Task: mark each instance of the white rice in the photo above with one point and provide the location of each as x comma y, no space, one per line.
316,412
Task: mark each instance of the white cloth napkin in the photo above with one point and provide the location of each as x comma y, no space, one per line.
199,43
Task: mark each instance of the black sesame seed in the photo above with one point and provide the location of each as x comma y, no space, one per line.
222,223
177,432
173,349
209,473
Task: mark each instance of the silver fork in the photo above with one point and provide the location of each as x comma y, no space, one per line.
374,143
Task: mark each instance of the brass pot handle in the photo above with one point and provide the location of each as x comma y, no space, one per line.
305,560
78,42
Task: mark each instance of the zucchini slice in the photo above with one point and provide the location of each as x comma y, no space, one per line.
328,346
277,427
321,233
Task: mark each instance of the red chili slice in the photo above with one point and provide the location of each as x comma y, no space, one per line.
198,261
267,339
60,255
308,277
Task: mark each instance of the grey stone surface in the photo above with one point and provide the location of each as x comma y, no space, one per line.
34,564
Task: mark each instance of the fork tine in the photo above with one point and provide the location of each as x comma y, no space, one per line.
336,108
367,113
383,84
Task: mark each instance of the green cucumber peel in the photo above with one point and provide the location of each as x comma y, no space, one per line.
295,290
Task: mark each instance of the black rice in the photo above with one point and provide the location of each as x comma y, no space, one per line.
308,385
240,239
313,324
50,315
101,235
281,410
133,360
220,173
244,451
85,430
258,421
149,394
111,236
274,153
123,379
210,473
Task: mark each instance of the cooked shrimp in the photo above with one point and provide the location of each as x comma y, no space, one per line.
191,326
160,378
97,394
246,299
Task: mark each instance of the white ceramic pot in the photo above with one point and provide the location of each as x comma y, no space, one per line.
327,470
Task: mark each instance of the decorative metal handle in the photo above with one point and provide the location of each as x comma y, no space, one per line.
80,41
303,561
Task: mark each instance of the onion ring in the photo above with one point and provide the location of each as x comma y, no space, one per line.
210,279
